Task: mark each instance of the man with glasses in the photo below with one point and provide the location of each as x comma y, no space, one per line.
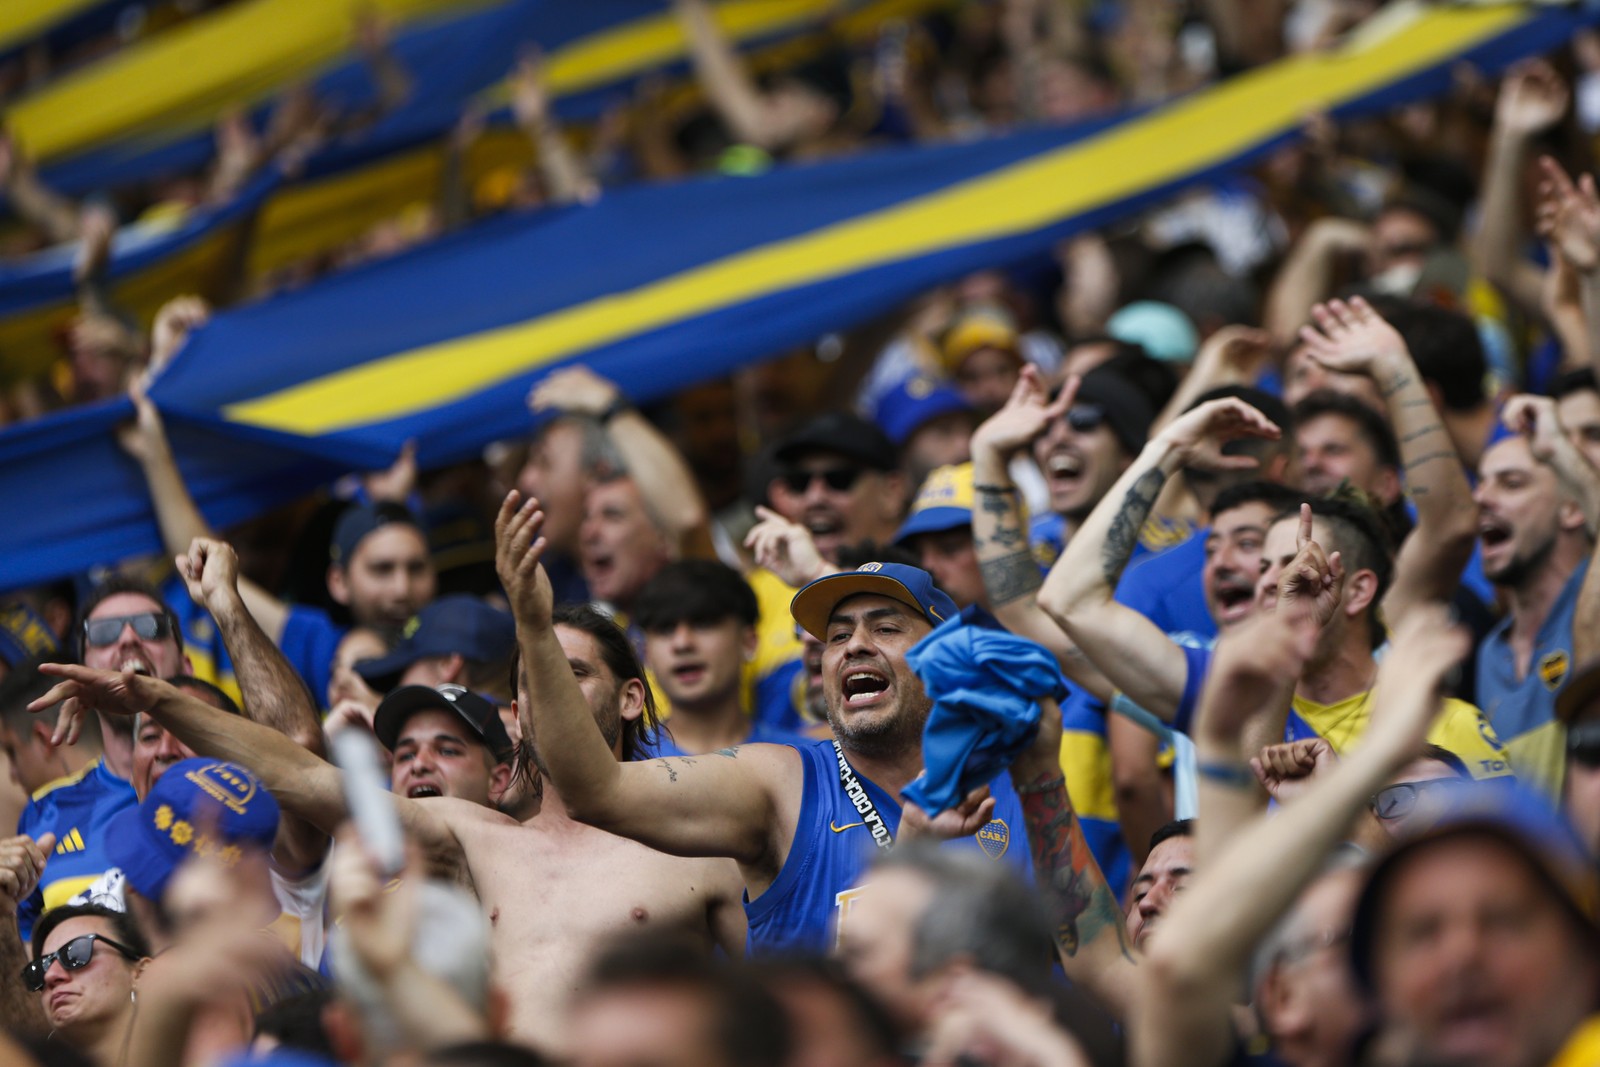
837,477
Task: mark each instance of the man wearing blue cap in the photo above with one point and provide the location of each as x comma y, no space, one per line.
457,639
799,820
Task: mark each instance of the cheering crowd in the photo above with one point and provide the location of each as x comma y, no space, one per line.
1182,650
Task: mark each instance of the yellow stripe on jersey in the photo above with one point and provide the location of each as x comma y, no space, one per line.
1540,757
1086,762
1460,729
59,892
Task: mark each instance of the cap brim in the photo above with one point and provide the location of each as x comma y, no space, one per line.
812,606
383,673
143,862
405,702
933,520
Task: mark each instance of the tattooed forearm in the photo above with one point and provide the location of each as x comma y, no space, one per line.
1124,532
731,753
1425,431
1429,457
1011,577
1082,907
1397,383
1002,504
672,774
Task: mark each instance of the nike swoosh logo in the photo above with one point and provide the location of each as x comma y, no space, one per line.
846,826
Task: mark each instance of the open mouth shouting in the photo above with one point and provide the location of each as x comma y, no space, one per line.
1234,599
689,672
138,664
418,790
862,686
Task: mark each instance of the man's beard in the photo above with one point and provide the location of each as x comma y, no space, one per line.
1521,568
608,717
884,738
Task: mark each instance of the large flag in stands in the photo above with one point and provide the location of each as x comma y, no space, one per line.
661,286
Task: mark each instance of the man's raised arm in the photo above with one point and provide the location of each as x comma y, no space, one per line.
721,805
1354,339
1194,969
303,784
1079,592
274,694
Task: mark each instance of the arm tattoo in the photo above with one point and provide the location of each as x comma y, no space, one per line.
1432,427
1007,522
1082,907
1429,457
1011,577
731,753
1124,532
672,775
1397,383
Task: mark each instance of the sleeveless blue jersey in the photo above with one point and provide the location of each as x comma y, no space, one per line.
833,847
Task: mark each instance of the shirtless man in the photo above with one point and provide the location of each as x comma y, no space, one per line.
552,887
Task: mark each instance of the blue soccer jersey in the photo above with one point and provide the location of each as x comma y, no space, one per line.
76,809
833,846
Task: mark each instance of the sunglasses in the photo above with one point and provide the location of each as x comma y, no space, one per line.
839,479
1086,418
1583,744
74,956
1398,801
148,625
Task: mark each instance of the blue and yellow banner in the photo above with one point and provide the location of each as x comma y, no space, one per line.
658,287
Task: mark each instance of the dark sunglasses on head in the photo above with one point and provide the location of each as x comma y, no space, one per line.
74,956
148,625
1398,801
839,479
1583,744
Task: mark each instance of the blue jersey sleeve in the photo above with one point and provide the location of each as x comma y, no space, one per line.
310,639
1199,664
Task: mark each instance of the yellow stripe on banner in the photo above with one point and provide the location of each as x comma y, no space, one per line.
1181,139
185,78
23,20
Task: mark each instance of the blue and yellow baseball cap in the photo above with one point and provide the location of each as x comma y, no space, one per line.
943,503
199,807
911,586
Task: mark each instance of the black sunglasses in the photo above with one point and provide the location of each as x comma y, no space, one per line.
148,625
74,956
1398,801
1086,418
1583,744
839,479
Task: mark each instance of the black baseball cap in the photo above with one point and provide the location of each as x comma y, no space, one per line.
475,711
843,433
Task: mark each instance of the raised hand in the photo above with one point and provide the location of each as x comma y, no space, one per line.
785,548
1532,99
1287,770
1027,414
22,861
530,100
1352,338
83,689
397,483
1234,351
518,549
1312,578
210,569
174,322
1197,436
1568,215
575,389
381,923
963,820
144,438
97,225
1534,417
